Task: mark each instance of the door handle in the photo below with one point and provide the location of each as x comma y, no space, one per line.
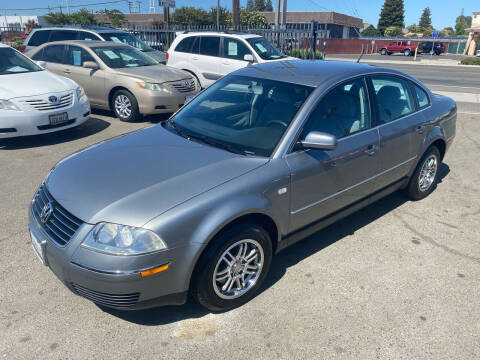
194,57
371,149
420,129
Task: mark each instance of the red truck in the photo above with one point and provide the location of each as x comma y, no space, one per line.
404,47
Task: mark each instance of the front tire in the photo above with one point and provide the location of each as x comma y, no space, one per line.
407,52
383,52
233,268
425,178
125,106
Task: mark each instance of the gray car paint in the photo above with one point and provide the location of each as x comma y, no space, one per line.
187,192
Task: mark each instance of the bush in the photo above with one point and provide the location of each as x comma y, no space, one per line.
470,61
305,54
17,42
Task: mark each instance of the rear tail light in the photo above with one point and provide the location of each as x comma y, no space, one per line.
167,56
22,48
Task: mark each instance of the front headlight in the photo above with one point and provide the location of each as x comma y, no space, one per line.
154,87
80,93
8,105
122,240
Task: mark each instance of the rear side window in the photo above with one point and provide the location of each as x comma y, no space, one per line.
185,45
393,98
39,37
84,35
54,54
62,35
209,45
422,97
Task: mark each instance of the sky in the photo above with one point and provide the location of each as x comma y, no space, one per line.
444,12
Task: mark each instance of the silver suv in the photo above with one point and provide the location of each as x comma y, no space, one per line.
259,160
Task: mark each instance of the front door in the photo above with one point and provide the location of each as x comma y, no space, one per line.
326,181
233,54
92,81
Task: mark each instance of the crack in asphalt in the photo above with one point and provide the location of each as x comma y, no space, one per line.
435,243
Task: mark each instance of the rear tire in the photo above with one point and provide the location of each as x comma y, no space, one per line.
407,52
125,106
228,273
424,179
383,52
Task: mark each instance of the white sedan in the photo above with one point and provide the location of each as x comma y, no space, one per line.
35,101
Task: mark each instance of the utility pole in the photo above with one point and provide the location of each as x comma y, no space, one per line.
284,14
218,14
277,13
139,6
68,7
236,13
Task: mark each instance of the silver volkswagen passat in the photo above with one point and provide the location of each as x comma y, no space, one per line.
261,159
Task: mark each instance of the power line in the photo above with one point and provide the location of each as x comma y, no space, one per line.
71,6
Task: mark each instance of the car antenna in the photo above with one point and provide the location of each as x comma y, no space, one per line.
360,57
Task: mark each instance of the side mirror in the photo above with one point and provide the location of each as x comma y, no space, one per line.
42,64
91,65
249,58
320,141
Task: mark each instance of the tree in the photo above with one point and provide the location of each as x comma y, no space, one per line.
252,17
189,15
462,22
392,14
427,32
225,16
269,6
114,17
393,31
370,31
413,28
58,18
251,4
83,17
260,5
448,31
426,19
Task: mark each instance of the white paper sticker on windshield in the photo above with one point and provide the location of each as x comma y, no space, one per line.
15,69
77,58
232,48
261,48
111,54
115,39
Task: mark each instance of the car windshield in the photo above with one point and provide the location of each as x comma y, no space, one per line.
241,114
128,39
123,57
264,49
12,62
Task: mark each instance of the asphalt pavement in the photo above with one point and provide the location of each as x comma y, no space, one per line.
397,280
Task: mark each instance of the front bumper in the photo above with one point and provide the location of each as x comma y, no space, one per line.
115,281
32,122
154,102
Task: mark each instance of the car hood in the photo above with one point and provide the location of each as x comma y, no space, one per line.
136,177
155,73
33,83
160,56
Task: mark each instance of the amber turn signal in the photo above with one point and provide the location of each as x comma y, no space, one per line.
154,270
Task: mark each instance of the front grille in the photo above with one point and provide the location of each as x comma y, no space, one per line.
60,225
112,300
46,105
184,86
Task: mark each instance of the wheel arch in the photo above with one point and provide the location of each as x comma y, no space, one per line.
113,91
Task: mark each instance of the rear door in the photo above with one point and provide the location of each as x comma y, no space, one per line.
55,57
399,125
208,59
92,81
233,52
324,182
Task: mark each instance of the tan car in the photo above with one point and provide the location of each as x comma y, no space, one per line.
118,77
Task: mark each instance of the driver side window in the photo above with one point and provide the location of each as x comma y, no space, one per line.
343,111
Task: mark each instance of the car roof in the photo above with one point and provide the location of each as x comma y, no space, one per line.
86,43
96,29
311,72
3,45
218,33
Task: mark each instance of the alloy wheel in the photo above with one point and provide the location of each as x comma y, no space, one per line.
428,172
123,106
238,269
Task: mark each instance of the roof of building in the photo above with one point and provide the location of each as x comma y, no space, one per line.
323,17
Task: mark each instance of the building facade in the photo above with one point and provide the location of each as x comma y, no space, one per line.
473,35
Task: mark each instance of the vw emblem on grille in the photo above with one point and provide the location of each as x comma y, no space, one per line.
187,83
53,99
47,212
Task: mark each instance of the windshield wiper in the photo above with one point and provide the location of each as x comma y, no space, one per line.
218,144
177,129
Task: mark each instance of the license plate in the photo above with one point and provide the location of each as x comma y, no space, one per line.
56,119
39,247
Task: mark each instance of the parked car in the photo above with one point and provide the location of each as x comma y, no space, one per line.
261,159
404,47
44,35
211,55
33,101
430,47
119,77
477,53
